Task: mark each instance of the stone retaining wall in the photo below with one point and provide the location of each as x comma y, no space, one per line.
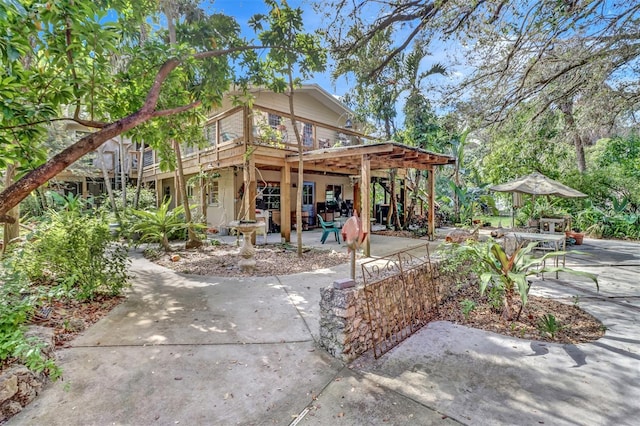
345,330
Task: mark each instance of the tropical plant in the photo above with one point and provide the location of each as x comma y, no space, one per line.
69,202
156,226
549,325
467,305
510,272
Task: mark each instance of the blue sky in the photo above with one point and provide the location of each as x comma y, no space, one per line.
242,10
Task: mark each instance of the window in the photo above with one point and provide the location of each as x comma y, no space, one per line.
307,193
274,120
210,134
307,134
213,193
147,158
187,149
333,197
270,195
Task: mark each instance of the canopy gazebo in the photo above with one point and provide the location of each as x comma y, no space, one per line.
537,184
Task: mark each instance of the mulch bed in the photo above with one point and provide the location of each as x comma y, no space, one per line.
576,325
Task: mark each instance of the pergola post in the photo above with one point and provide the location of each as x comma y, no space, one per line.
365,181
432,204
285,202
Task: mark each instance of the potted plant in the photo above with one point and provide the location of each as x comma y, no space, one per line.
576,234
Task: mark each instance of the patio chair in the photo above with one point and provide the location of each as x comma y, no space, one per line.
328,228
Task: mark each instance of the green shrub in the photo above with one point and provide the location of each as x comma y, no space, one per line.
75,254
17,302
146,201
455,261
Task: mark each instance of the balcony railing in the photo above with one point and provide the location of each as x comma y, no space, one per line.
227,130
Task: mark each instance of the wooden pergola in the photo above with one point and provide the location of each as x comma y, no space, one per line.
361,160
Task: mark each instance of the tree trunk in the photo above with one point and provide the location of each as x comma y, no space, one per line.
299,192
123,174
410,209
203,199
11,228
571,127
192,238
581,161
107,184
136,198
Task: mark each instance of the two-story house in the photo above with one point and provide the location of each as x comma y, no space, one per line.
252,162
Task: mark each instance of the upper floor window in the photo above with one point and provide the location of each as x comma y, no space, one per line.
210,133
274,120
307,134
147,158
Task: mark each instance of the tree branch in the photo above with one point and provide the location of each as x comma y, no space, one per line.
20,189
177,110
87,123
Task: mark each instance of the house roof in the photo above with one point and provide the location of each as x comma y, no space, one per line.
383,155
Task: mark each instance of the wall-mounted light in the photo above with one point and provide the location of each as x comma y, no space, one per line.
348,124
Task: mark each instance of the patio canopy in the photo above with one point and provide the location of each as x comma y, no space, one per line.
538,184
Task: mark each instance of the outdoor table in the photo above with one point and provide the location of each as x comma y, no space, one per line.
340,221
559,242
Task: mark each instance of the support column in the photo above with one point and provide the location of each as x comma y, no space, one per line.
404,200
285,202
365,181
373,202
432,204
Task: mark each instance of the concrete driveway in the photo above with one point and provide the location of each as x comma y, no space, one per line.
218,351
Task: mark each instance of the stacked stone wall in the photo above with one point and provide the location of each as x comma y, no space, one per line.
345,326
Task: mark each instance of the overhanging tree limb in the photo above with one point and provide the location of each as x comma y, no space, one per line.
18,191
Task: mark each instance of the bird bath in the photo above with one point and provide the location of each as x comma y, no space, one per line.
247,251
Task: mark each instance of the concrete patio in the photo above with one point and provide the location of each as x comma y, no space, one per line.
194,350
